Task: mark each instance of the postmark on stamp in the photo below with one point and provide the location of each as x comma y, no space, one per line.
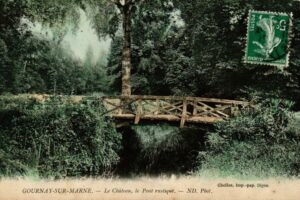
268,38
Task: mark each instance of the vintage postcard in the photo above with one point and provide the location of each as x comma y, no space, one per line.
149,99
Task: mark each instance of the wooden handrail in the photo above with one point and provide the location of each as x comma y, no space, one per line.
178,98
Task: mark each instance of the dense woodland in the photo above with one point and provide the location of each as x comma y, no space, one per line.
181,48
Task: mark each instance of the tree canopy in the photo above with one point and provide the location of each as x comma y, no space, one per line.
178,47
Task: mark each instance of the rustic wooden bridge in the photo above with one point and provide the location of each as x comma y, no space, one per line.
177,109
183,110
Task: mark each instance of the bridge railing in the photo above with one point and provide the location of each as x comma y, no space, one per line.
168,108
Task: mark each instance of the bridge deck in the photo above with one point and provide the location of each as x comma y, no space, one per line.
168,108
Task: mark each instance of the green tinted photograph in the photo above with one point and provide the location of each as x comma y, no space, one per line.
125,89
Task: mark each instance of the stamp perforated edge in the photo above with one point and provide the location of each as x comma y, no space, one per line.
289,38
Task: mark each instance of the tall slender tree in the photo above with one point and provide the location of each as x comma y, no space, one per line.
125,7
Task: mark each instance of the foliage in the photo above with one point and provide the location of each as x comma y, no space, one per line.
216,32
197,48
179,47
56,138
261,142
156,149
12,33
32,64
46,67
158,56
190,47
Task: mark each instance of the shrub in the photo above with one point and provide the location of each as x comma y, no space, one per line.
56,138
261,143
156,149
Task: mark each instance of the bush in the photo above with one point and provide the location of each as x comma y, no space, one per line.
160,148
156,149
263,142
56,138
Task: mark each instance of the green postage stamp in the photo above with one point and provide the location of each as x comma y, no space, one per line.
268,38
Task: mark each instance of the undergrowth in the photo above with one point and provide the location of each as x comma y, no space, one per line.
56,138
262,142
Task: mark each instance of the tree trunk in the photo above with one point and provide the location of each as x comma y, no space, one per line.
126,54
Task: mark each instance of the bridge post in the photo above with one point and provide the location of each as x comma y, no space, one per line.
138,112
158,106
194,107
183,116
